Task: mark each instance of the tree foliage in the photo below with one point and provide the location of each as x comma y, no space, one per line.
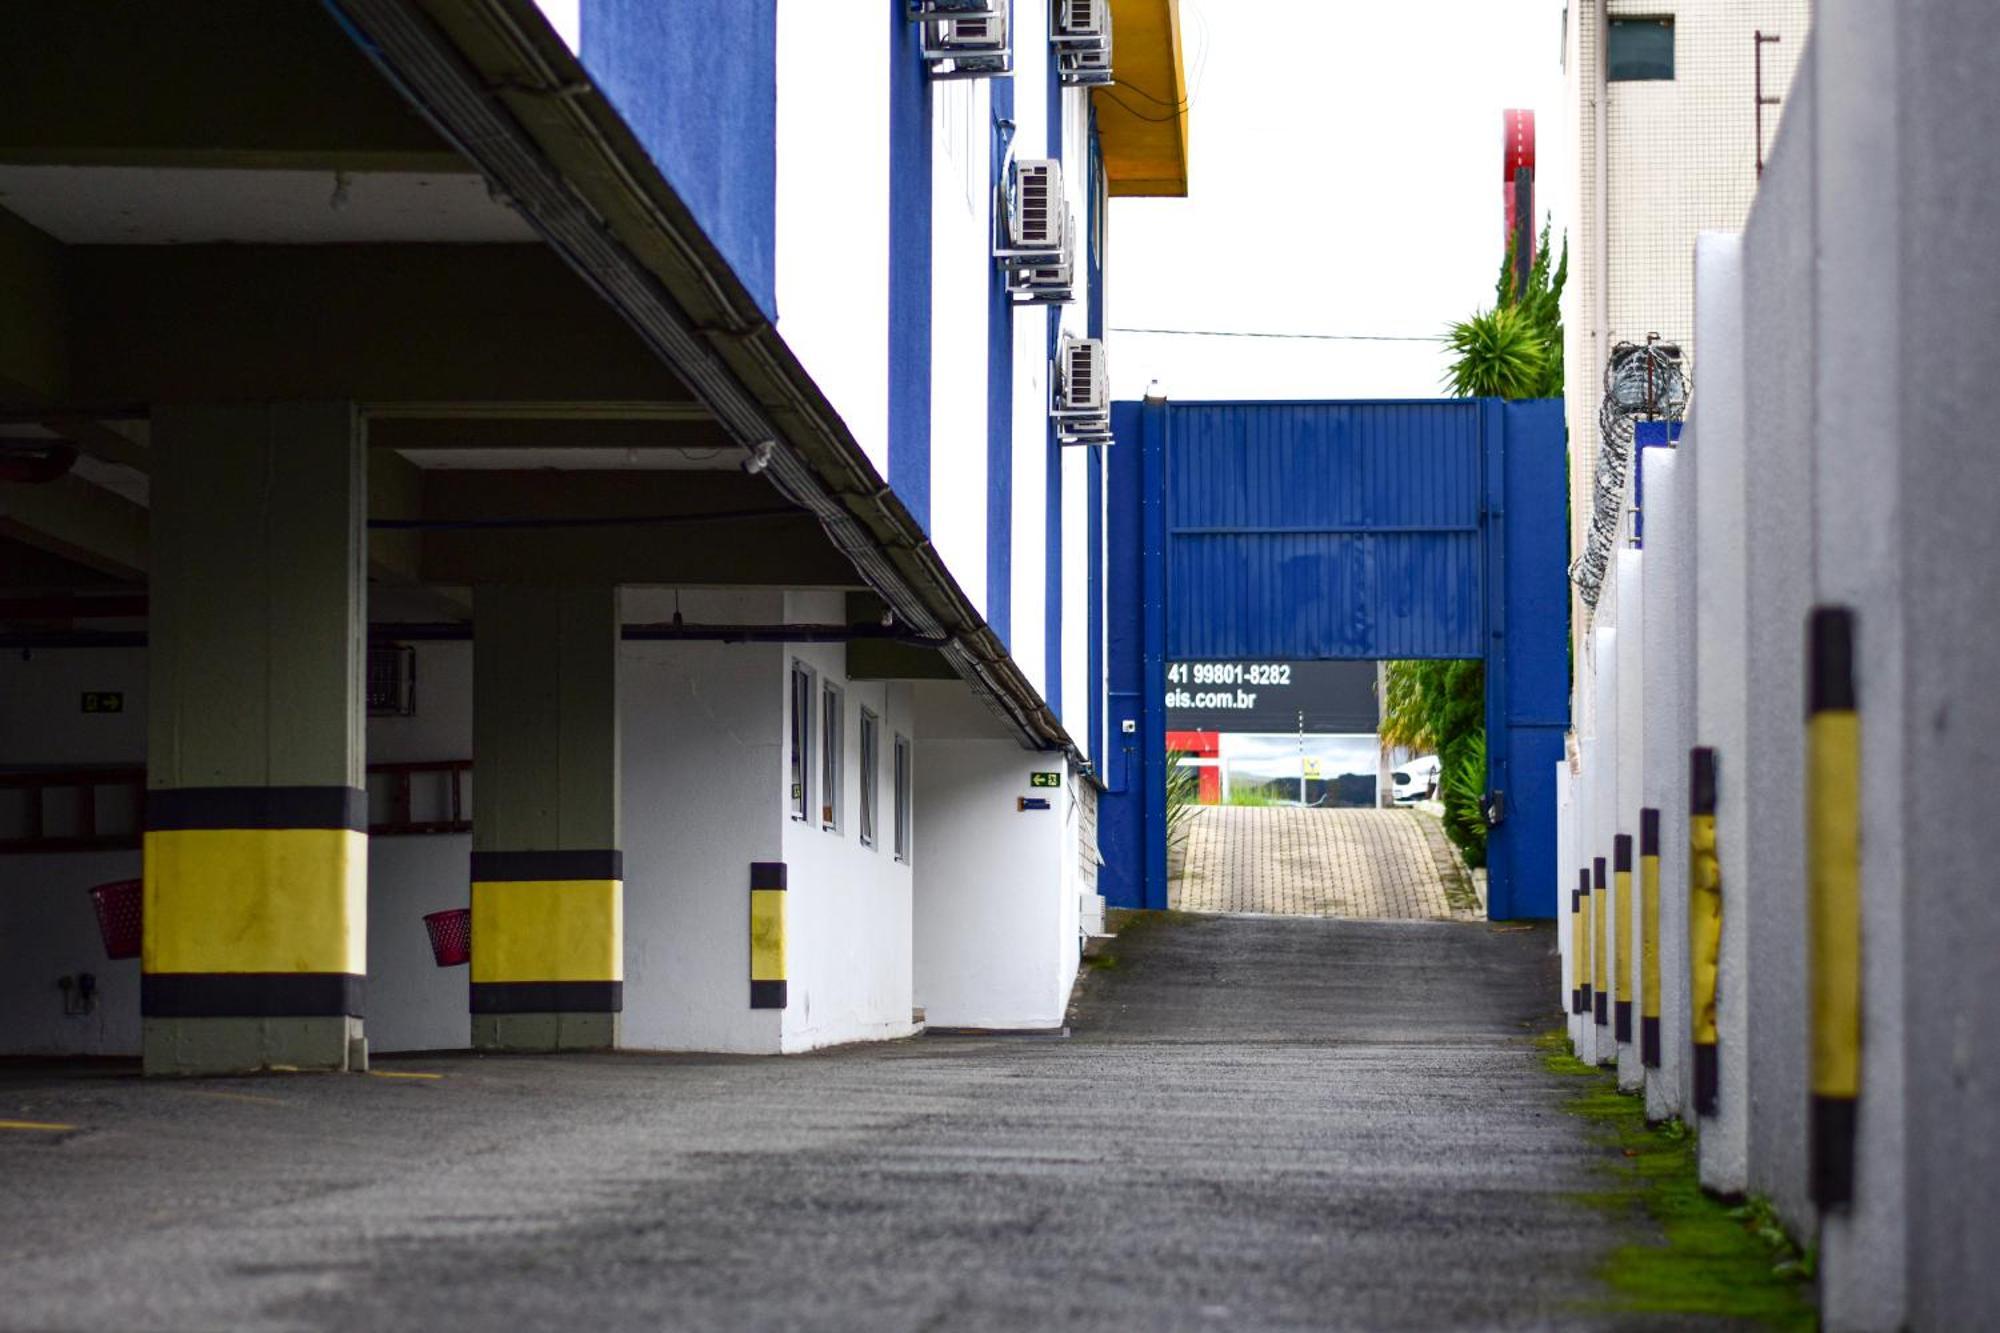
1514,350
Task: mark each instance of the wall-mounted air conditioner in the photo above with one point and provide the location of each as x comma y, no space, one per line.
964,39
1032,233
1082,409
1081,37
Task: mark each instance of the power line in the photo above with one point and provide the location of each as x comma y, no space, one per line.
1302,337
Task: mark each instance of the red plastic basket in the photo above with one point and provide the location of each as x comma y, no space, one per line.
451,936
121,919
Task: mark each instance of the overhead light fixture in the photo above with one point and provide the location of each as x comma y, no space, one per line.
760,456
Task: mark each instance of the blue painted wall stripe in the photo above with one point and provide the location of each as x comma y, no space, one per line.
1052,570
697,81
910,243
1000,402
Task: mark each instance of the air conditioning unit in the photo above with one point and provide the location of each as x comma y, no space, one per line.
1082,408
964,39
1082,41
1033,234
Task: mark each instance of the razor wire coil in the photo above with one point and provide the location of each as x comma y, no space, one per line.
1642,382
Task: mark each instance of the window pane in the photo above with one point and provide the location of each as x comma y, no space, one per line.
832,757
902,799
870,739
801,740
1640,49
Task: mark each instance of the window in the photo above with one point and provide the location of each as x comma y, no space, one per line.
1640,49
902,798
801,747
871,744
832,755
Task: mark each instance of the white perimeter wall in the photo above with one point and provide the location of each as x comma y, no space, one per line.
833,206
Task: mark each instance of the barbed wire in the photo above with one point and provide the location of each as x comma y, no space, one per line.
1644,381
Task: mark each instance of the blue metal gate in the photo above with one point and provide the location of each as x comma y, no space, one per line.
1321,530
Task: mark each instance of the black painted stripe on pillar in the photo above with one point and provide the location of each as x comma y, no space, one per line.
548,997
1707,1079
1833,1124
767,875
520,867
1649,832
251,995
768,994
257,808
1622,1021
1649,1042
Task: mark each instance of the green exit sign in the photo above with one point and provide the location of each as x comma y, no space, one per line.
103,701
1045,779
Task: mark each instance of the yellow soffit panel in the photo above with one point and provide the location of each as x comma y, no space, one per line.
1142,119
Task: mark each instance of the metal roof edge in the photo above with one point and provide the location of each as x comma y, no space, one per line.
499,84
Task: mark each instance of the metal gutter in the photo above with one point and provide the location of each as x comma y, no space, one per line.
498,83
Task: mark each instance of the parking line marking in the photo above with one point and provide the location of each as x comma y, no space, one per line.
36,1125
402,1073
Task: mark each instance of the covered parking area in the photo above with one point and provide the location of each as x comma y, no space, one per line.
370,403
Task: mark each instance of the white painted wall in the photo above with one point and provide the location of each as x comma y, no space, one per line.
996,901
848,927
961,276
833,206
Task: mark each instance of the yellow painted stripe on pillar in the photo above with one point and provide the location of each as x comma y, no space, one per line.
1833,821
1649,947
1599,953
548,930
256,900
1622,886
767,935
1578,961
1704,925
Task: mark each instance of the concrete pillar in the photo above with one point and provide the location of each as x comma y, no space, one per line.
1603,831
547,870
1664,785
1631,756
1864,535
1780,326
256,819
1715,447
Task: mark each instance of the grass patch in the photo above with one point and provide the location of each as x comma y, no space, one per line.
1717,1259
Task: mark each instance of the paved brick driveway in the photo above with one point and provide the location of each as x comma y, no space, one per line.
1383,865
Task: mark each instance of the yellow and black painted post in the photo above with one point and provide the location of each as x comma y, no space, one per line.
1599,958
1833,880
1579,955
255,906
548,872
548,956
256,845
1621,873
1649,950
768,986
1704,926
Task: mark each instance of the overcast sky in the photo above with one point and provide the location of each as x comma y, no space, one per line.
1345,178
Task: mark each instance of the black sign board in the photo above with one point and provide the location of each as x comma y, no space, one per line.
1330,698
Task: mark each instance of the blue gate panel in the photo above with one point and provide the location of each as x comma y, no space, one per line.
1324,596
1325,529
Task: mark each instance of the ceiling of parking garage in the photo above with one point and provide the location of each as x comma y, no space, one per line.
219,200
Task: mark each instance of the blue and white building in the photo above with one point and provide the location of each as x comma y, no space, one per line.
632,469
